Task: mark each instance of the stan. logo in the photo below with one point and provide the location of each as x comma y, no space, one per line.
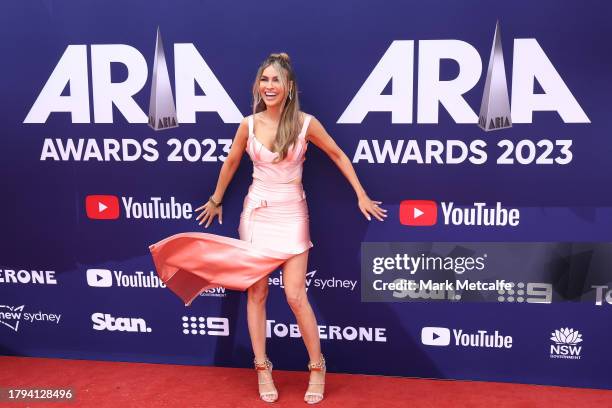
104,321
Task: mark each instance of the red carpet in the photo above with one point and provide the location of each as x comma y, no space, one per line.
103,384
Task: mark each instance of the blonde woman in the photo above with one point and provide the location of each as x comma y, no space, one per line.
274,224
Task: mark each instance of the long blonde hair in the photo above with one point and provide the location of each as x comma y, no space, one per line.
290,121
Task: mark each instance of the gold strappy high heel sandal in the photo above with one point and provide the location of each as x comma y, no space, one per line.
319,366
268,396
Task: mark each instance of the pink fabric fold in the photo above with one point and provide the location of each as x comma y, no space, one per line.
192,262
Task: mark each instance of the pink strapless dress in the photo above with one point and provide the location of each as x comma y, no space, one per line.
274,226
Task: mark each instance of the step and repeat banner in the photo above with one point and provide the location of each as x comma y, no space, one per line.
485,130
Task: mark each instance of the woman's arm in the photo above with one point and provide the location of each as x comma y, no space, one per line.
226,174
232,161
317,134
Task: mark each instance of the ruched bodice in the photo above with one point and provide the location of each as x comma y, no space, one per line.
285,171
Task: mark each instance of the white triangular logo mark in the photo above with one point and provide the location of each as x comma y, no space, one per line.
495,105
162,111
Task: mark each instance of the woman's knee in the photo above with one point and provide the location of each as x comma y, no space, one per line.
296,298
258,293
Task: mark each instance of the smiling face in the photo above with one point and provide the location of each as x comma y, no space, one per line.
273,89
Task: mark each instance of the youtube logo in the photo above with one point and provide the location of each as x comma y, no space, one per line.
418,213
102,207
435,336
100,278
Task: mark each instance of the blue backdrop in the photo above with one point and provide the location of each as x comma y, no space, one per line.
78,287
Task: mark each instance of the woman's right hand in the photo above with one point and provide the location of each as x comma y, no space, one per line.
209,211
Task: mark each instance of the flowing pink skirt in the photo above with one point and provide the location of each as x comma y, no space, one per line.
274,226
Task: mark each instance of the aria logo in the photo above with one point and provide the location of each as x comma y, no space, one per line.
495,105
73,71
396,67
162,112
565,346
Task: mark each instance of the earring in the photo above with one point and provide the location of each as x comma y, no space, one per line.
289,94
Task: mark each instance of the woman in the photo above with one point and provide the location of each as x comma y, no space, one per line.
273,224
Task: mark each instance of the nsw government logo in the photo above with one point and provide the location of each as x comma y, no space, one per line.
565,346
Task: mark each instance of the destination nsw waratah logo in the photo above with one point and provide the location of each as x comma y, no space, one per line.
565,346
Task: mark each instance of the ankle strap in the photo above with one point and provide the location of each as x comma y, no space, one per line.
262,366
318,366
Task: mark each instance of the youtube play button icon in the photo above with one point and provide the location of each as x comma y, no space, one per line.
435,336
101,278
102,207
418,212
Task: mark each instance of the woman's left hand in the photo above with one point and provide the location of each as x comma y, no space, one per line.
368,207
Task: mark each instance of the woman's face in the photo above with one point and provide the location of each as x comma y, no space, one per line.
271,88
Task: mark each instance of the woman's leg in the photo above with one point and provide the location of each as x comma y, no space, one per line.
256,317
294,280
